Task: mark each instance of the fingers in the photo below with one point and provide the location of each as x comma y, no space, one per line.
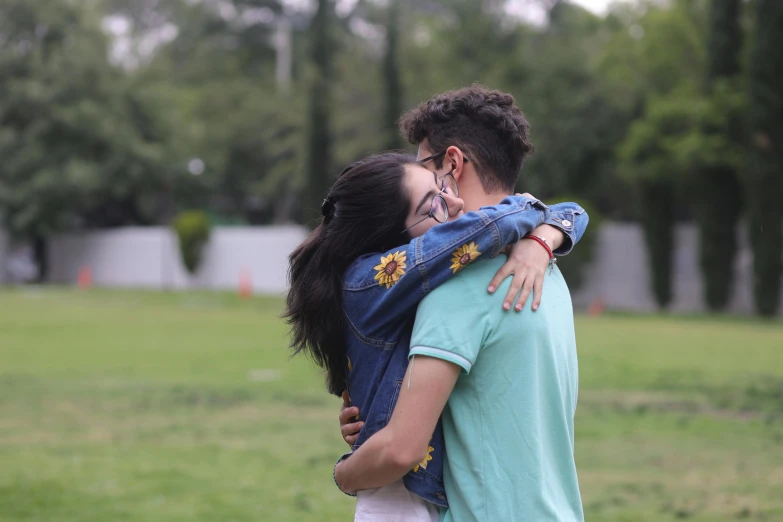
516,285
538,291
527,287
346,399
348,414
527,277
350,432
502,273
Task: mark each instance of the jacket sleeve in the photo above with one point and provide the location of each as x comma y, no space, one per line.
572,220
392,283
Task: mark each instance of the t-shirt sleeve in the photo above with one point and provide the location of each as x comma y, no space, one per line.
450,324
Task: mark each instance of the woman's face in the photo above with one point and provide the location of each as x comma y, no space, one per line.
422,186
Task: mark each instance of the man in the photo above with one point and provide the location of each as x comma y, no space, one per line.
510,379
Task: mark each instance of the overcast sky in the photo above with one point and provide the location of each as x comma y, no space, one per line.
530,10
597,6
118,26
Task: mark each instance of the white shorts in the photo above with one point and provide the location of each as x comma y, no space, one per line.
393,503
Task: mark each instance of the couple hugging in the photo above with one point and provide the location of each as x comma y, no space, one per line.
456,407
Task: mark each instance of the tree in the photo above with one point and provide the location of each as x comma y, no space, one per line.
576,126
392,83
319,138
79,146
764,180
650,157
718,190
651,65
217,76
724,39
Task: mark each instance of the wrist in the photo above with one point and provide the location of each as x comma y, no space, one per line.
554,236
339,478
541,241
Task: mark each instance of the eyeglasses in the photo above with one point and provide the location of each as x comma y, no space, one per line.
439,210
436,156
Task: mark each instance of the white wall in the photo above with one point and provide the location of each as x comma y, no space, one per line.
150,258
619,274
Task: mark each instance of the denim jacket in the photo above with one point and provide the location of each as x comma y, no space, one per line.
381,292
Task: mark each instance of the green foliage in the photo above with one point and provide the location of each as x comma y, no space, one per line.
650,94
724,40
193,229
686,144
650,156
575,124
658,145
391,79
650,64
79,145
574,264
652,51
712,139
717,188
765,165
257,164
217,78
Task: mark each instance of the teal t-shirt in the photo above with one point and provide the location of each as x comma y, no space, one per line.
509,423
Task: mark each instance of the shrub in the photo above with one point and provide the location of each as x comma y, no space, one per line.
192,228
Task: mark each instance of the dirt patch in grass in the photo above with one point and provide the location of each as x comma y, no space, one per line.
760,399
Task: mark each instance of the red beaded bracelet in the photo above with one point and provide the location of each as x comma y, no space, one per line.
541,241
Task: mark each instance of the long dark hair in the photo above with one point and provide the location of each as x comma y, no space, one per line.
363,213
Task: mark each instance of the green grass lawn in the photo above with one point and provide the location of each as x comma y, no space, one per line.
133,406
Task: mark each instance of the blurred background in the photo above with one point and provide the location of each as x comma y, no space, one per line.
148,146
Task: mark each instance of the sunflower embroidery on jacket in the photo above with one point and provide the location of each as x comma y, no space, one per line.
391,269
463,256
427,458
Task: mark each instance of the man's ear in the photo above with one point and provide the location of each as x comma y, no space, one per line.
456,161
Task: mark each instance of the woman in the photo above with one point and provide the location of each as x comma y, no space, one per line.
356,281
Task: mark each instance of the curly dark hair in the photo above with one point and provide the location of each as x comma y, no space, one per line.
484,123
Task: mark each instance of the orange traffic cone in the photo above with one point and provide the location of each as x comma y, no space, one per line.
84,279
245,284
596,308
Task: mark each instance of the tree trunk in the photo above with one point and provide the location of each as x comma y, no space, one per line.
41,256
765,168
718,215
719,194
658,224
319,140
391,79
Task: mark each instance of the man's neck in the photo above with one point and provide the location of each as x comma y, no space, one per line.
475,197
